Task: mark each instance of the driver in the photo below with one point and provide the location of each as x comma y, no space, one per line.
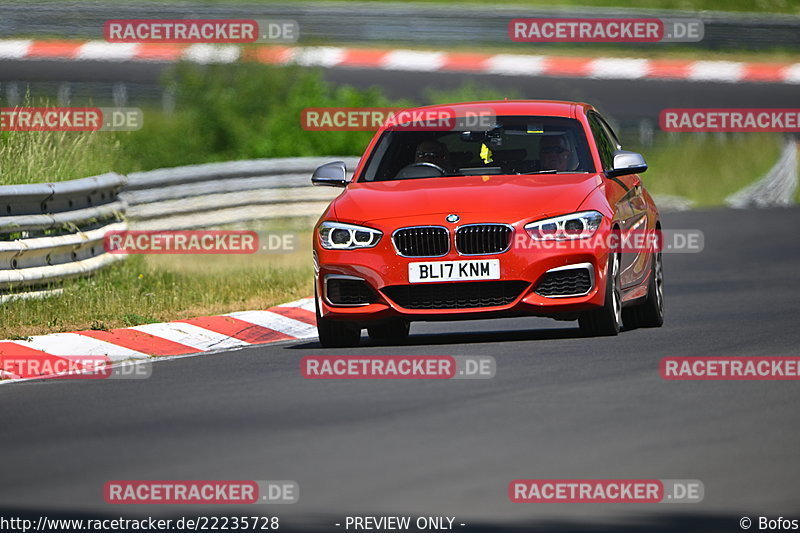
433,152
554,153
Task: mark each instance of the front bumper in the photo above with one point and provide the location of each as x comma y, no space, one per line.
381,267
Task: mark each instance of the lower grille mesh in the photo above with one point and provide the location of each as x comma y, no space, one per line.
459,295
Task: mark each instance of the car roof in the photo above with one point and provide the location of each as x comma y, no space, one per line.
554,108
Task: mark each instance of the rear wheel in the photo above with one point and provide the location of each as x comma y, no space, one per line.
336,334
649,314
607,320
390,331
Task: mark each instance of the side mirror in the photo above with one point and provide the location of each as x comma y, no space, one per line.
627,163
330,175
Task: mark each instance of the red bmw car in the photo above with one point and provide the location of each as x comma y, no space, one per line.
518,216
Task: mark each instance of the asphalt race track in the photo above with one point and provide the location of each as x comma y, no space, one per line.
560,406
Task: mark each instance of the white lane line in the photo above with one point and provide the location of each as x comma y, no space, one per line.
515,64
318,56
618,68
413,60
305,303
286,325
791,74
190,335
72,344
210,53
15,49
716,71
103,51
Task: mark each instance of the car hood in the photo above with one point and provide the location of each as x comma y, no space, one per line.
505,198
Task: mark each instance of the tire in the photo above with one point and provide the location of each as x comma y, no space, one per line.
336,334
391,331
649,314
607,320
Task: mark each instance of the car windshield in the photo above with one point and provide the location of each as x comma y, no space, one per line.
515,145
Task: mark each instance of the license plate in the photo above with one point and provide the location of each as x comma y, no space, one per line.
453,270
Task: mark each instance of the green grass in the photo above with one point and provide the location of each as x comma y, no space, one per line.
244,111
705,168
224,112
35,157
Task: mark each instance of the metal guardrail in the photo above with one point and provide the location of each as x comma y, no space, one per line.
777,187
385,22
54,231
214,194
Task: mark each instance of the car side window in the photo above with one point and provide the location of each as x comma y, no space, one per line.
605,145
611,134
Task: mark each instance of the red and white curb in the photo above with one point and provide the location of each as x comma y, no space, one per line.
194,336
409,60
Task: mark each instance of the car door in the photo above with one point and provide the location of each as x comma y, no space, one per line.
625,193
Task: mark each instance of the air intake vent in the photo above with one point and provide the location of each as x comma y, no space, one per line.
562,283
345,291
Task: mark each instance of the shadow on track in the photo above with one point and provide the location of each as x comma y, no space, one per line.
471,337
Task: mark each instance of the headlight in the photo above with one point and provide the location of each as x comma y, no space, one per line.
338,236
574,226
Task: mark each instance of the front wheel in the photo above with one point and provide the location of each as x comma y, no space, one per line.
649,314
607,320
336,334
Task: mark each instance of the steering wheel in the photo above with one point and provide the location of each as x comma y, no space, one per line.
421,170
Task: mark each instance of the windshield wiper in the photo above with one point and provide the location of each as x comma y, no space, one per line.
551,171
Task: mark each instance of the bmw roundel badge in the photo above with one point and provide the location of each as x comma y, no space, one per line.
453,218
